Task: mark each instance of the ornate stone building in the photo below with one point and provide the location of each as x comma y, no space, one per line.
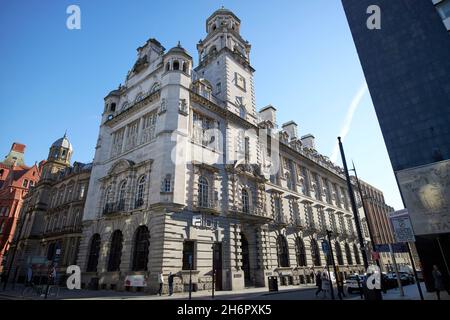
188,175
50,224
16,179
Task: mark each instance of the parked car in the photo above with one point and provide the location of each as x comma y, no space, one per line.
352,283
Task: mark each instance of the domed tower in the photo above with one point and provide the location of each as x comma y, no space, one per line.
59,156
224,60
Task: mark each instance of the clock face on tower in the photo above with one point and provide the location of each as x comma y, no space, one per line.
240,81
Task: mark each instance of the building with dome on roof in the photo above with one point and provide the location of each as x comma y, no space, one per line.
49,229
188,177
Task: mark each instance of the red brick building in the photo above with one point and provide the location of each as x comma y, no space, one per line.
15,180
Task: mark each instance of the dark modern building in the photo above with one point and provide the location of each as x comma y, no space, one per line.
406,63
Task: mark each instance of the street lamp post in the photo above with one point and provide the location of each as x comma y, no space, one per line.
353,203
365,213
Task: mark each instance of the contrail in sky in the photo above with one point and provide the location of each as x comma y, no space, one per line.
349,117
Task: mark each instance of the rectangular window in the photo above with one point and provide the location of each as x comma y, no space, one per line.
25,183
81,192
247,149
149,127
203,130
117,142
218,88
188,255
132,135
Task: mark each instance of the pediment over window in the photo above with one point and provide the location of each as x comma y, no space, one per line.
121,166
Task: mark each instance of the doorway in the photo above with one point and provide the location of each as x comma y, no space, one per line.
245,260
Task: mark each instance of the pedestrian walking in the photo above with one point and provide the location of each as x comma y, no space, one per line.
170,282
438,281
318,283
161,283
340,285
29,280
325,285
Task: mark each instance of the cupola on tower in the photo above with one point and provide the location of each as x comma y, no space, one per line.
59,156
224,61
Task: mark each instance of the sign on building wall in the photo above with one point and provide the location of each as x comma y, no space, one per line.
135,281
402,227
426,191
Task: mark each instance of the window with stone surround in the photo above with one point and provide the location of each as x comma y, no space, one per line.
301,252
348,254
140,191
337,195
305,181
282,252
189,255
148,127
117,142
315,253
356,253
203,130
245,201
132,135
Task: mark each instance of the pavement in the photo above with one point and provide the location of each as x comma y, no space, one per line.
302,292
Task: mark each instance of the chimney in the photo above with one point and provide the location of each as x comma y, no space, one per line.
309,141
291,128
18,147
268,114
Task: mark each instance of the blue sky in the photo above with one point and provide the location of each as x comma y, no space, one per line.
53,79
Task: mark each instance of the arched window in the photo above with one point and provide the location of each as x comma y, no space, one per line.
122,194
315,253
203,192
94,252
115,251
176,65
348,254
301,252
356,252
245,201
140,192
338,250
112,107
185,67
282,251
167,66
242,112
141,245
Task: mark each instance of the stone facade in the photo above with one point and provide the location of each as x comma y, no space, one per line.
16,179
50,224
188,174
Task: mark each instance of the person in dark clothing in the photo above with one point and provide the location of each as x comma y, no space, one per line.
438,282
340,285
318,283
170,282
